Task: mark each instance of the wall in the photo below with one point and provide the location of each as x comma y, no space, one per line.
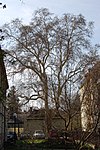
33,124
1,125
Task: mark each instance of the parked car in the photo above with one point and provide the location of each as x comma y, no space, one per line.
39,134
58,134
11,136
53,134
24,136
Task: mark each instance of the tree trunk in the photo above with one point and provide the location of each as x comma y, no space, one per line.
47,111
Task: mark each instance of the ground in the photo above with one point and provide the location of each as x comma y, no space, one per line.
39,144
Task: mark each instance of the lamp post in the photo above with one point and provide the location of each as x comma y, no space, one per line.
14,117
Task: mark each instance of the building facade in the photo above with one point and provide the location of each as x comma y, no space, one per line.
36,121
3,88
90,99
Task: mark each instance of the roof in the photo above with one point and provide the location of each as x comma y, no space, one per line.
40,114
12,121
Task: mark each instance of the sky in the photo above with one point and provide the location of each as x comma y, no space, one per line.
24,9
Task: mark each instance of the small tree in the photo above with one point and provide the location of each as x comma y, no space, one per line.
12,103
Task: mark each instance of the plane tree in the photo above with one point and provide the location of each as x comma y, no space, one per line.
46,55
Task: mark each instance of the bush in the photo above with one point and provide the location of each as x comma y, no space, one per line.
86,147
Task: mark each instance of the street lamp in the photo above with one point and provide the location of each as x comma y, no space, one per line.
14,117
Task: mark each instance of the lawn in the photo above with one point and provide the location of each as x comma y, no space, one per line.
42,144
37,144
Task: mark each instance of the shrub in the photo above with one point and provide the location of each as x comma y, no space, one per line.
86,147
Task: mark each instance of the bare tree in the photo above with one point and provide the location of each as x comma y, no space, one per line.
47,54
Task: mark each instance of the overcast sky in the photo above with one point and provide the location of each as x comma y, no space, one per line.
90,9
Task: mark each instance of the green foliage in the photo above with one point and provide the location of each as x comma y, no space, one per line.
13,101
86,147
39,144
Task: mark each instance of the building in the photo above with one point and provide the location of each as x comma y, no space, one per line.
90,98
3,88
36,121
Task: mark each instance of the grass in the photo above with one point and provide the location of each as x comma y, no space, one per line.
38,144
41,144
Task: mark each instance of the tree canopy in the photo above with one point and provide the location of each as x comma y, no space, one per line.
48,57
